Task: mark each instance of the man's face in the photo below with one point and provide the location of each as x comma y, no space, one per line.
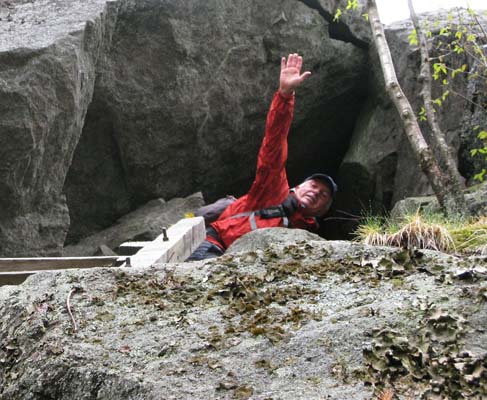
315,196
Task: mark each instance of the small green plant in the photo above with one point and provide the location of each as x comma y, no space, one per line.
480,152
472,237
371,232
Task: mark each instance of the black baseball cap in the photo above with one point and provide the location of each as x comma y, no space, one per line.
328,180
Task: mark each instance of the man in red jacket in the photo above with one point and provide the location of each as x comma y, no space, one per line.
270,202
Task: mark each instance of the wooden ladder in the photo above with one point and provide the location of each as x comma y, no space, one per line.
174,245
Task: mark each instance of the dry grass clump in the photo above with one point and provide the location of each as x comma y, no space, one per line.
415,231
421,234
426,232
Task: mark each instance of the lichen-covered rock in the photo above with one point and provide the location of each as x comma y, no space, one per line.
262,238
298,319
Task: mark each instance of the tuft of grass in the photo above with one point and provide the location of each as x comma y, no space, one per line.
427,231
472,237
422,234
372,232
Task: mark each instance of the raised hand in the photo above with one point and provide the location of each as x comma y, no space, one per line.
291,76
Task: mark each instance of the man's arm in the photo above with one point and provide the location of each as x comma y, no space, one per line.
273,151
271,179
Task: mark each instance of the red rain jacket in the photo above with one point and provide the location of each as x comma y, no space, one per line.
270,187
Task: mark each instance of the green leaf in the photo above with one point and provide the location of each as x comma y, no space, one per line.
480,175
445,31
458,49
337,15
438,69
413,38
422,114
352,4
482,135
437,102
473,152
366,16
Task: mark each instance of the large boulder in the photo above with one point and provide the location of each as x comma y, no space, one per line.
299,318
47,76
181,99
114,103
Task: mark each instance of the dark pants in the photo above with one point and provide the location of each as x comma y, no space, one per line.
205,250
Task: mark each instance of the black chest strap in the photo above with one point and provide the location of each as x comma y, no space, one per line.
284,210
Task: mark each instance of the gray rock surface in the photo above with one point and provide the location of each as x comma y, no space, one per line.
114,103
105,105
47,76
475,198
262,238
144,224
181,99
297,319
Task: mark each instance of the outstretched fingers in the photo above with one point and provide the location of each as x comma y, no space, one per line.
299,62
304,76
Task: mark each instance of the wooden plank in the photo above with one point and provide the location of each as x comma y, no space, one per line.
184,237
55,263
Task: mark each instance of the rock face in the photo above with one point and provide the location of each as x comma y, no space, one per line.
379,168
47,75
300,318
105,105
181,97
475,201
112,104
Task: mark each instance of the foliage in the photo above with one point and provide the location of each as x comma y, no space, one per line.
351,5
481,151
461,53
426,231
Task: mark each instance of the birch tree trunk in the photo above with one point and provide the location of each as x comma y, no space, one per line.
445,152
428,164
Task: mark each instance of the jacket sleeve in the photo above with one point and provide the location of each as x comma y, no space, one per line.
270,186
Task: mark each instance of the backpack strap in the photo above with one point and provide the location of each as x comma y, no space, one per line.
283,210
